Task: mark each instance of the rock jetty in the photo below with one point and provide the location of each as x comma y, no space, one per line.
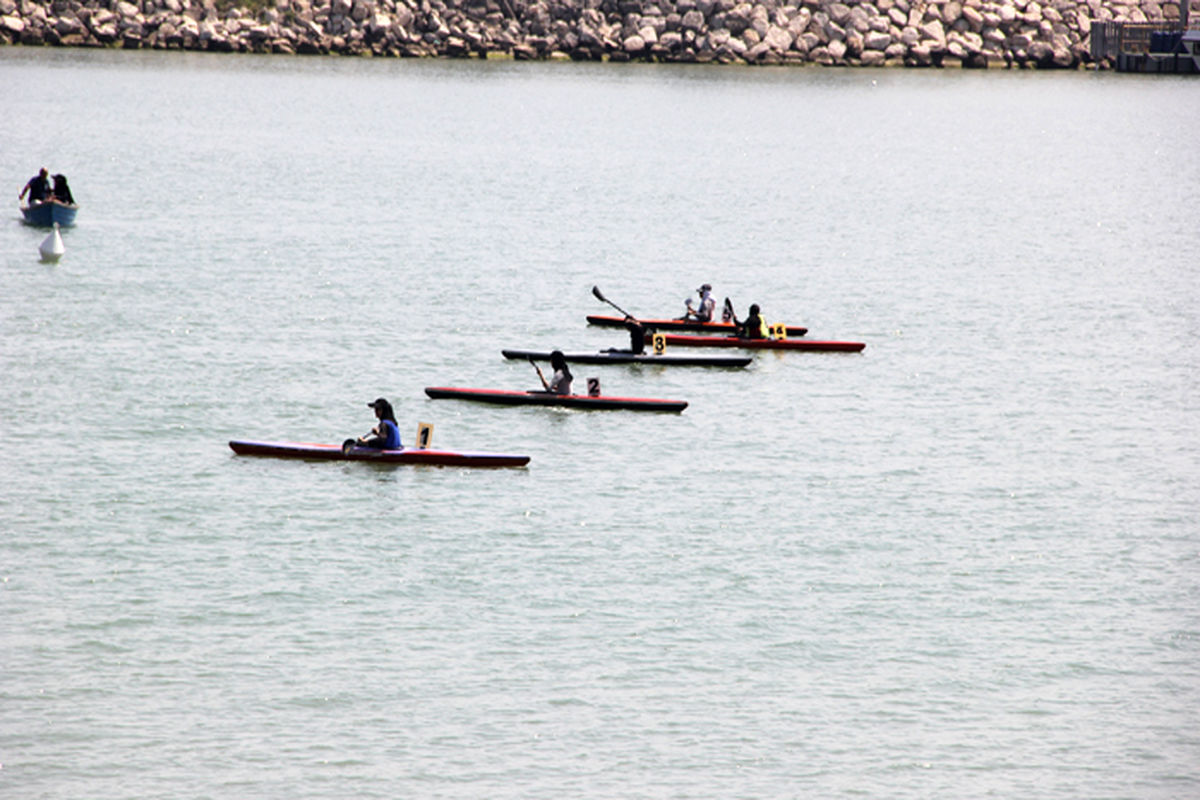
915,33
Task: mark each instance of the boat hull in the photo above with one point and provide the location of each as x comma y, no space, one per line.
691,326
685,340
627,357
45,215
582,401
333,452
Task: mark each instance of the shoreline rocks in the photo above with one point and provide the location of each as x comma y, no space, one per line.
914,33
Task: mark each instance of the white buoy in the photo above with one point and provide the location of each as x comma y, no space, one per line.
52,248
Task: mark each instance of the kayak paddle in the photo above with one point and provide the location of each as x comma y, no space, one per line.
733,317
541,377
600,296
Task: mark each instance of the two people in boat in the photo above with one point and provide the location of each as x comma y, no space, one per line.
385,435
752,327
40,191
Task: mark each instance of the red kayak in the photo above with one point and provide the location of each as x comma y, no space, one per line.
691,326
540,398
333,452
685,340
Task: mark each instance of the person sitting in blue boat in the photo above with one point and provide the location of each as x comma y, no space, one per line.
560,383
38,188
707,305
61,191
385,435
753,326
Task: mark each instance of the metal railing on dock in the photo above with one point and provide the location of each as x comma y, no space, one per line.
1110,39
1155,46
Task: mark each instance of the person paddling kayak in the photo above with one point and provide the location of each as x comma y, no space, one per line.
707,305
753,326
637,338
385,435
561,382
637,335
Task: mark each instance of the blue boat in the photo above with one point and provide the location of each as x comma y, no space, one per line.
45,214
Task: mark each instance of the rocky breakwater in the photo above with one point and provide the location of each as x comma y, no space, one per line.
971,33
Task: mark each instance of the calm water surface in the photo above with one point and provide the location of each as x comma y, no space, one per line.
963,563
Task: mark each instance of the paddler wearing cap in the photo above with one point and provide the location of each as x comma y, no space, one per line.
707,305
385,435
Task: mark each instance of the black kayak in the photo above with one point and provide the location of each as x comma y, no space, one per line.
630,357
538,398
